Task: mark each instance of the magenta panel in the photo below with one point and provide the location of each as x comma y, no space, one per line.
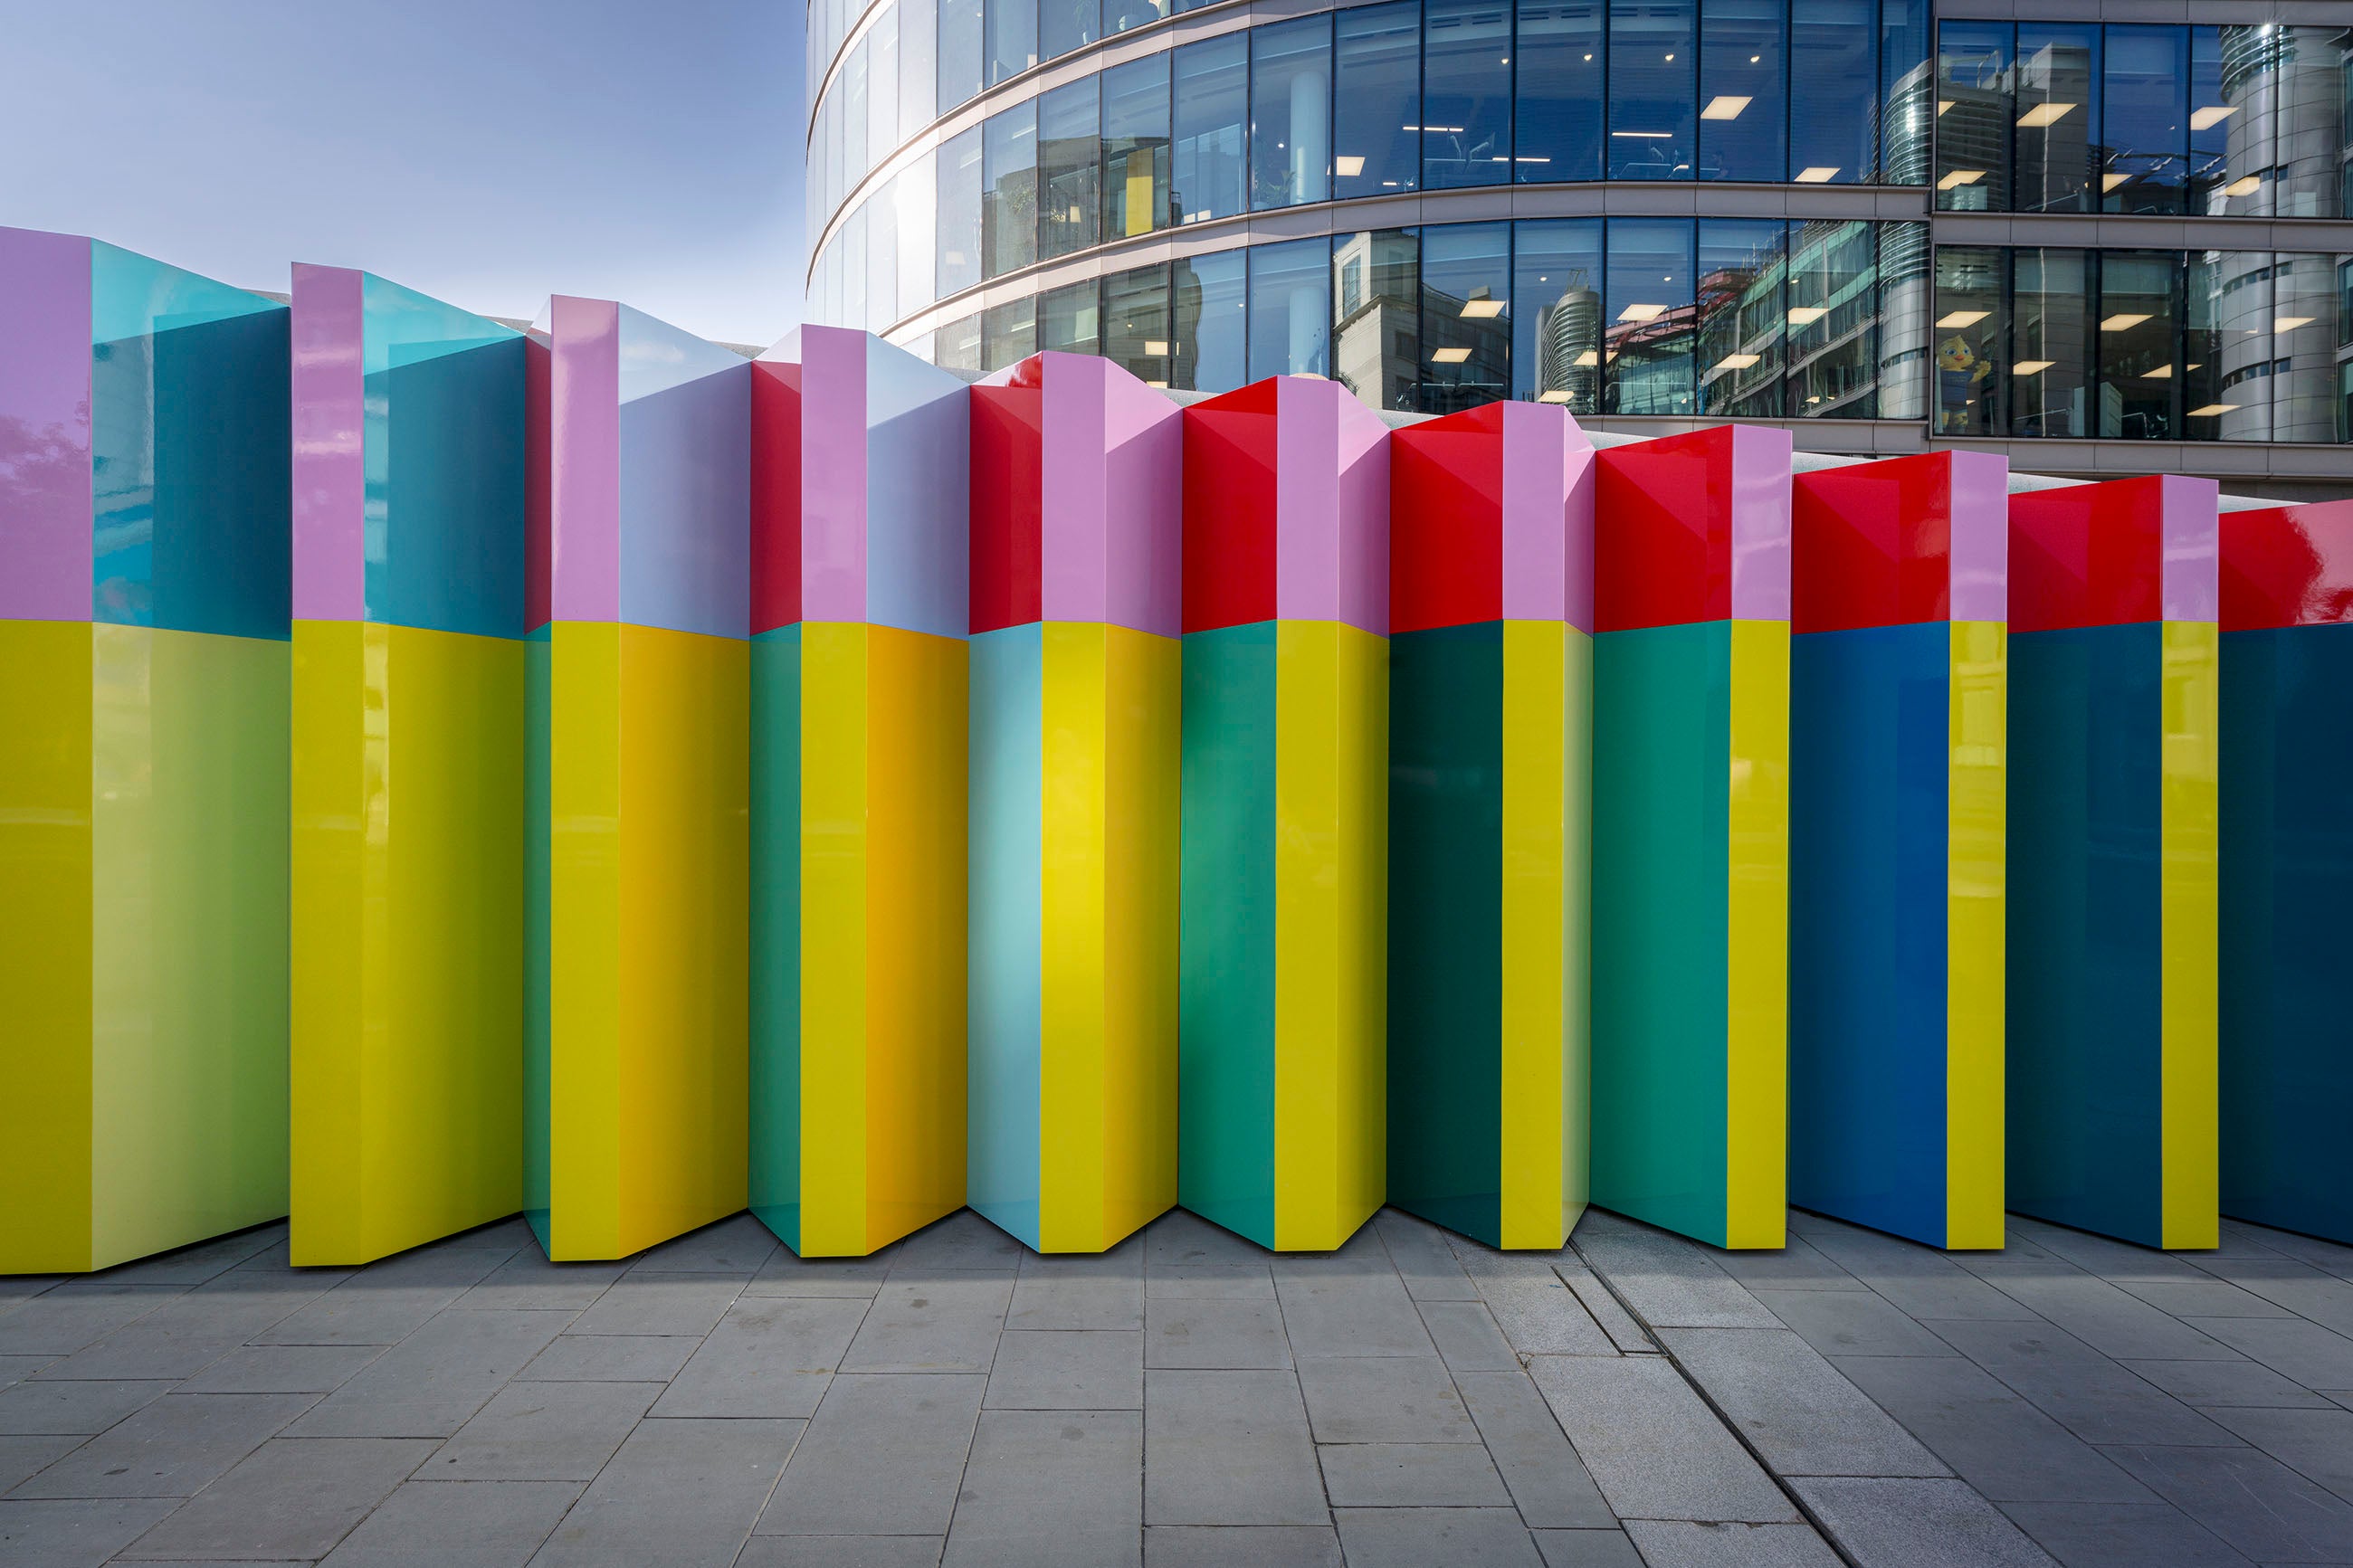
1760,524
1331,502
1548,481
45,436
1980,537
329,459
2192,588
833,475
1114,451
585,451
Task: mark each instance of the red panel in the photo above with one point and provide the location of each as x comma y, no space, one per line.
2287,566
1230,510
1008,435
1446,521
775,495
539,551
1662,533
1871,544
2088,555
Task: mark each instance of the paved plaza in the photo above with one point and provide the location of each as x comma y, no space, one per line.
1190,1399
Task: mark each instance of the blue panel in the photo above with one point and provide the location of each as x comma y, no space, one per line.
2085,995
686,467
2287,928
1869,719
775,1084
918,483
190,478
1001,1173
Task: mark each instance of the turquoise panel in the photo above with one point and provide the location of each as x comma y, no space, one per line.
1662,759
776,941
538,1073
1001,1172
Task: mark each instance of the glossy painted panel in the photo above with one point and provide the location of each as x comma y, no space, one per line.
1901,541
2113,553
1693,528
45,410
2287,566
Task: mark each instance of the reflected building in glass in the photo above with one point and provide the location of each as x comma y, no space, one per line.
1883,227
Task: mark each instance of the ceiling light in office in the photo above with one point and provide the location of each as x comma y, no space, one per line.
2244,187
2211,116
1725,106
1641,312
1960,178
1349,168
1737,362
1586,360
1807,315
2121,321
1448,357
1482,309
2211,409
2032,366
2290,323
1555,396
1962,319
2044,115
1816,174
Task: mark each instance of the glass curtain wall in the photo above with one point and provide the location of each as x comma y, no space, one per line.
959,52
959,209
2139,368
1835,321
1008,333
1965,352
1136,148
1743,273
1653,76
1833,66
1376,99
1743,119
1069,173
2304,349
1562,59
1136,333
1376,336
1209,296
1066,25
1209,170
1906,296
1557,332
1012,32
2050,356
1648,313
1906,100
1291,309
1008,194
1069,319
2226,346
919,67
2058,105
1121,15
1291,113
1466,325
1466,93
2145,137
1973,116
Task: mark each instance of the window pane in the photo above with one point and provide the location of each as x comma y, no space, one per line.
2051,343
1009,189
849,254
2309,138
852,88
1556,332
1135,322
1008,333
2211,127
1648,313
1742,128
1291,113
882,257
1834,322
919,71
1290,309
1653,76
1066,25
1376,289
2303,348
1119,16
958,346
1904,297
1212,100
918,245
1742,267
1066,319
1012,38
2144,121
1211,323
1069,168
2058,109
1377,104
959,48
1973,115
1831,70
1965,340
882,87
1135,147
1466,315
2140,378
959,225
1907,93
1466,93
1561,63
2227,347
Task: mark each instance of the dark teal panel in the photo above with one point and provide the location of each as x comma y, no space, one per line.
2084,1002
775,912
1225,1120
1662,760
2287,928
1446,893
538,1072
445,489
1868,753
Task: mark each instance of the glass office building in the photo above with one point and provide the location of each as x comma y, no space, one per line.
1885,226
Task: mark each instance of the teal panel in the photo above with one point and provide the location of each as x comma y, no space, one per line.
1001,1168
1662,760
775,940
538,1074
1225,1119
1445,952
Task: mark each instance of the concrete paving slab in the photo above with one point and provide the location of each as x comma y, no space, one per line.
884,1456
948,1321
174,1447
1410,1475
1051,1490
1653,1448
770,1356
292,1497
963,1240
661,1303
75,1314
610,1358
1089,1368
1665,1281
1991,1437
74,1534
2316,1443
1916,1523
1214,1334
456,1525
2098,1399
1079,1293
384,1304
1383,1399
2122,1535
1241,1546
842,1552
2312,1356
2256,1504
80,1409
1795,1409
1423,1259
1366,1314
543,1432
283,1369
1587,1549
28,1456
1466,1335
682,1493
1419,1537
527,1281
1543,1317
786,1275
2211,1385
427,1385
1209,1281
1229,1448
1666,1543
1851,1322
736,1245
1540,1469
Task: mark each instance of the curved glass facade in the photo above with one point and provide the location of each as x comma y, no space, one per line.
990,177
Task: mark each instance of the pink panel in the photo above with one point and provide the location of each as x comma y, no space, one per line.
584,457
2192,590
1760,524
45,449
1075,524
1980,537
329,461
1332,514
1548,480
1143,446
833,474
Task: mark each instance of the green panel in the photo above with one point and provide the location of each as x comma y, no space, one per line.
538,1076
1224,1119
1661,744
775,959
1446,894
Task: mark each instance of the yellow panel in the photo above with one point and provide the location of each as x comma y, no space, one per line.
188,1089
585,948
1975,975
1542,1112
683,720
834,838
407,946
1072,1001
1331,1005
918,715
45,945
1756,1065
1140,902
2192,746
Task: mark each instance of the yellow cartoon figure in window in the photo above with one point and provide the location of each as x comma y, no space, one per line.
1961,374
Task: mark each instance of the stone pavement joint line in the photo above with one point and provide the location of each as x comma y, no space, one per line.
1411,1399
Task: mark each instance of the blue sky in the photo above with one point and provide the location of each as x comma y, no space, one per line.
490,152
